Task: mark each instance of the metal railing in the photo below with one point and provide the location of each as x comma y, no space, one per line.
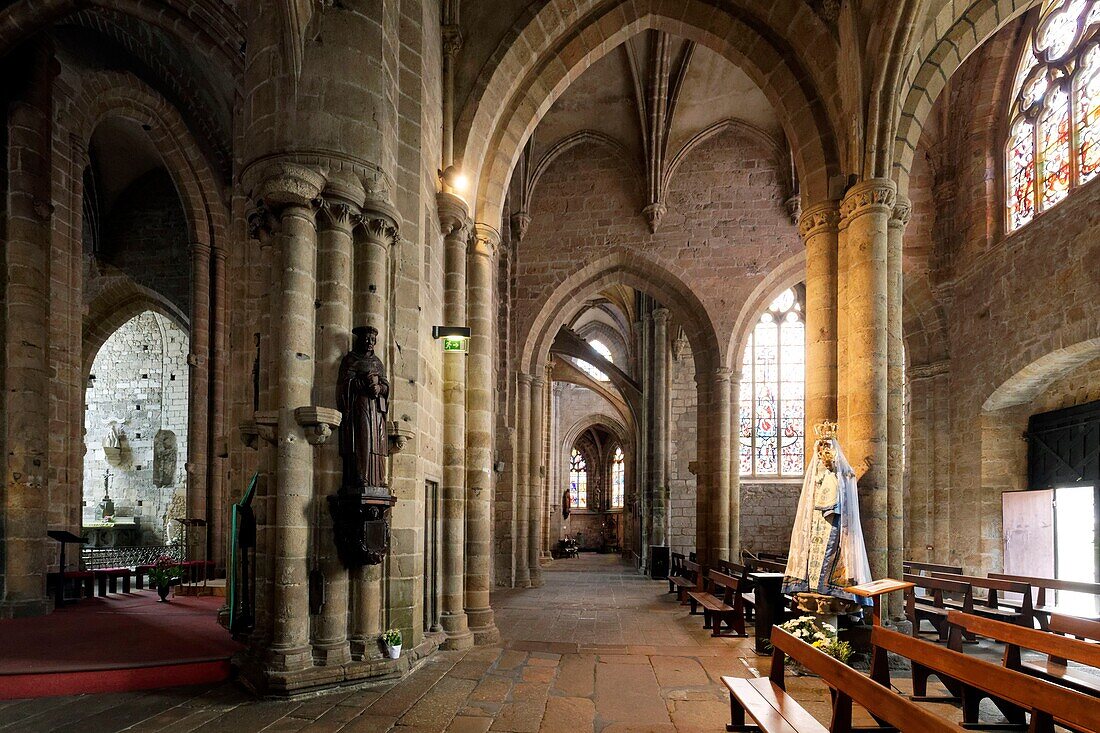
128,557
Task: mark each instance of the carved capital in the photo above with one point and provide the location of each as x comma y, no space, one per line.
317,422
379,227
524,379
338,214
282,183
484,241
454,216
818,218
723,374
452,41
262,224
874,196
903,210
660,315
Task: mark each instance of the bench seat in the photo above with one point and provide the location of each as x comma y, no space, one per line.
770,706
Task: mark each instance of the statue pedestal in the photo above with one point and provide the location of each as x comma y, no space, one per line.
361,524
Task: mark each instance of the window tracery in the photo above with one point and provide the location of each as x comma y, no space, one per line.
618,479
772,409
1054,136
601,349
578,481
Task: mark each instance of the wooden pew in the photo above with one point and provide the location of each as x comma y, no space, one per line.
932,606
720,599
766,701
743,573
927,568
675,569
691,579
1081,628
1043,604
1013,692
1057,649
993,605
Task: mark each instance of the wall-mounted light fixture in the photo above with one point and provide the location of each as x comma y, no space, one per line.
455,338
454,180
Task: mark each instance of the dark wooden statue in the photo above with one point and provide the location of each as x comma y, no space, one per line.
363,400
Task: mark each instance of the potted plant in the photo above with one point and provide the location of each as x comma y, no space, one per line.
392,641
820,635
162,573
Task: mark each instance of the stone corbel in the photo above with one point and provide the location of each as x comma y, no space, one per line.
262,425
399,434
693,468
318,422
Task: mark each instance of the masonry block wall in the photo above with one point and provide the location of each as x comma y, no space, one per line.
137,391
999,317
683,429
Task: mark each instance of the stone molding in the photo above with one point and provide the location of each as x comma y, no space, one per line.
262,425
927,371
523,378
317,422
484,240
903,211
454,214
818,218
353,178
283,183
660,315
876,195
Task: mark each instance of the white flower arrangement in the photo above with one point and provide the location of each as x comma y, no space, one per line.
821,636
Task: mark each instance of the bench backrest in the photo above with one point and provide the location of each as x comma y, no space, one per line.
878,699
1082,628
692,570
912,566
769,566
1042,584
1043,642
729,584
938,585
993,585
1065,705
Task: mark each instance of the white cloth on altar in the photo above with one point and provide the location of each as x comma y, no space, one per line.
827,552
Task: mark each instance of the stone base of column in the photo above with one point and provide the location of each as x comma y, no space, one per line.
483,626
289,660
331,655
21,609
264,681
536,578
523,578
456,632
365,650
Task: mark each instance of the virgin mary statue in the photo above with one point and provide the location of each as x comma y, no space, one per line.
827,551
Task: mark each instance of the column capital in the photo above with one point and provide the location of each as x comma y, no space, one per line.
201,249
380,222
337,213
484,240
723,374
660,315
454,214
875,195
523,378
822,217
452,40
284,183
903,210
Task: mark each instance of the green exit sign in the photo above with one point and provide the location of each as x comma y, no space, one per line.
455,344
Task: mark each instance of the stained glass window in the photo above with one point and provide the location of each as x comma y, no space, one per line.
1054,139
771,412
618,479
578,481
590,370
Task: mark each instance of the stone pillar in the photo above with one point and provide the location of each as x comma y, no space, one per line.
198,402
479,433
895,392
734,464
725,513
866,209
660,427
537,486
293,196
334,323
819,229
523,478
455,226
644,484
25,256
217,481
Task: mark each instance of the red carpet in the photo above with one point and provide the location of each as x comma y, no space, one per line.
120,642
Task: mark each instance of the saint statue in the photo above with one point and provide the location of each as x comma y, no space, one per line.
363,400
827,552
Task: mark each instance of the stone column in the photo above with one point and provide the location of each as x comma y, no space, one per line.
734,464
537,491
479,433
455,226
25,257
895,376
819,229
725,513
293,195
645,437
866,209
523,478
198,402
217,481
660,427
334,324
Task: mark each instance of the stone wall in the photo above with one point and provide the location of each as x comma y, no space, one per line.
683,448
140,387
767,514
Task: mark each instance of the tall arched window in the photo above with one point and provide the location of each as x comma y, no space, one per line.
1054,135
601,349
578,481
772,409
618,479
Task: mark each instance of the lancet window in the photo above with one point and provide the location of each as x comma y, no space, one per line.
772,406
1054,136
601,349
618,479
578,481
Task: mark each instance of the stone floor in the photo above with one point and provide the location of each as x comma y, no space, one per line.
597,648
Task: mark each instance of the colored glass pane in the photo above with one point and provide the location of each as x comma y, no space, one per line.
578,480
1088,115
618,479
1021,174
1054,151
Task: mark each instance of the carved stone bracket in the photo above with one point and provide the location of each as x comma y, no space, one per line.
399,434
262,425
318,422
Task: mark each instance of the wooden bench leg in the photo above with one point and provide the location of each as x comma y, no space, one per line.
126,583
102,585
737,717
112,580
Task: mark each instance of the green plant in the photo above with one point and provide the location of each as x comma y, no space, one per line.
164,571
392,637
821,636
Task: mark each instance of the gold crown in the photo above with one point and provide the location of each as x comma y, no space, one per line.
825,430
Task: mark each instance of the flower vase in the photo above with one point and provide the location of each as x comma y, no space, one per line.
393,651
162,591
